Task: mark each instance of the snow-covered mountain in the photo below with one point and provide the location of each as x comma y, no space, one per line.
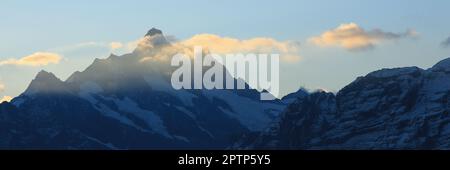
127,102
402,108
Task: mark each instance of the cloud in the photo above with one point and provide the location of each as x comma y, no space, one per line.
82,45
223,45
115,45
36,59
90,47
446,42
288,50
2,87
6,99
352,37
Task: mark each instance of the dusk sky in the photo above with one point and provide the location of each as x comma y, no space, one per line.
337,40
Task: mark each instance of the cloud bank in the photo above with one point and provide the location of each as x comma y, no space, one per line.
288,50
352,37
115,45
34,60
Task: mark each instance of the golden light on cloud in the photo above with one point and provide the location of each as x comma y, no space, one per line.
36,59
115,45
288,51
6,99
229,45
2,87
352,37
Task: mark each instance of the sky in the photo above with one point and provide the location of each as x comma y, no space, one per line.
336,41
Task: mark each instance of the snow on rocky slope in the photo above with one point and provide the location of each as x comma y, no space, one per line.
402,108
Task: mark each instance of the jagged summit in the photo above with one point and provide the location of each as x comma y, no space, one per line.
44,82
300,93
113,57
47,76
153,32
153,38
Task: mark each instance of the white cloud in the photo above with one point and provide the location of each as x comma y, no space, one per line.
36,59
115,45
89,47
352,37
2,87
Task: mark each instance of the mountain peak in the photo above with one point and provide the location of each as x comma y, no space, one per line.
153,38
44,82
300,93
442,65
44,75
153,32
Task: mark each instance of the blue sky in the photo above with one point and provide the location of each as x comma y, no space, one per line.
28,27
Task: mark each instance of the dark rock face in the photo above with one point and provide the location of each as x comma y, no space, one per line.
403,108
153,32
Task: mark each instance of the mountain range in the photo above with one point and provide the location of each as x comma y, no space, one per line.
127,102
401,108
